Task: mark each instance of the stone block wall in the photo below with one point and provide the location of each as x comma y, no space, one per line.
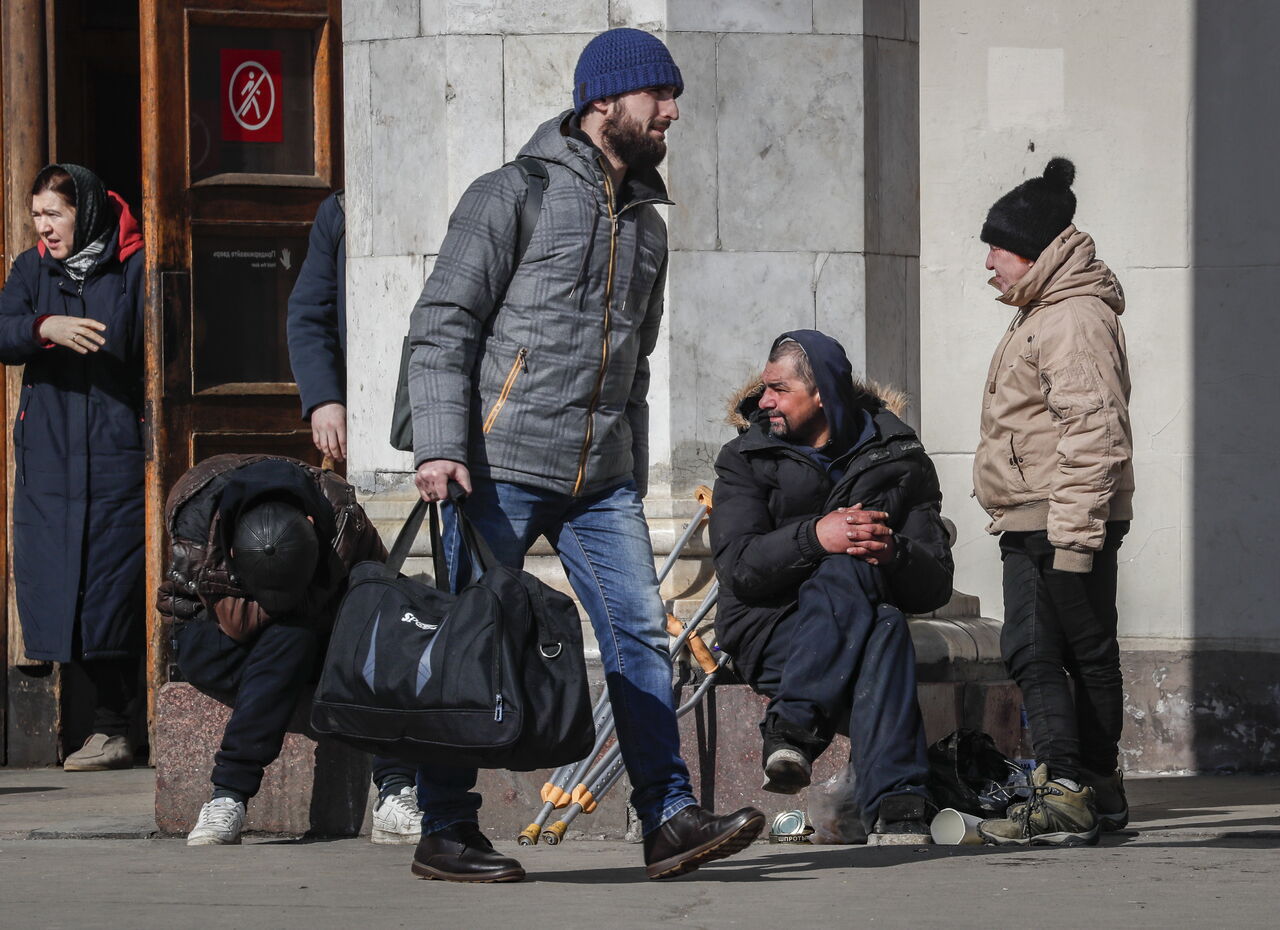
789,109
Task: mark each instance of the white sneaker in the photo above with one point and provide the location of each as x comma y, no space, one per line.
396,819
219,824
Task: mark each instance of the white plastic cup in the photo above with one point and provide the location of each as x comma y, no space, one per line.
951,827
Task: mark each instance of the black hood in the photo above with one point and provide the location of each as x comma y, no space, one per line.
94,215
833,374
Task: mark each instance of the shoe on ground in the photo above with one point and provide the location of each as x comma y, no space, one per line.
694,837
1056,814
1108,799
396,819
219,824
100,753
903,820
461,853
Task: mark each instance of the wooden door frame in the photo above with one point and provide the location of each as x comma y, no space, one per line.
168,209
24,144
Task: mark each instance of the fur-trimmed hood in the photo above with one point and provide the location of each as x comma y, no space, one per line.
744,402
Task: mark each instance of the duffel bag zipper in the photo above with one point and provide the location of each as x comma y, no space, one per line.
497,660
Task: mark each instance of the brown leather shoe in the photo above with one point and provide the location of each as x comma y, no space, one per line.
461,853
695,836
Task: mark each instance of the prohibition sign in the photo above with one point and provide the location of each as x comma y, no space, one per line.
252,97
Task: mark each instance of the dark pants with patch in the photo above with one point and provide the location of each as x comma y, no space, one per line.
842,662
263,680
1059,631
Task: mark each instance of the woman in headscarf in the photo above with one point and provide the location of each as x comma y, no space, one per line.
71,311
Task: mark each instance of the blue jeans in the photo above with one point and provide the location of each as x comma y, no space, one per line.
603,543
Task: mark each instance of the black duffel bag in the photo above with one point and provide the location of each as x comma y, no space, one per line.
492,677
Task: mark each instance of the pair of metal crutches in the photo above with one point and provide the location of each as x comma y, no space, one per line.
591,778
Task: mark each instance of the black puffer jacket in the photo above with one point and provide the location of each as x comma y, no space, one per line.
769,497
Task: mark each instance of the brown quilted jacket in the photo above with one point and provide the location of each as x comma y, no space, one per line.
199,576
1056,451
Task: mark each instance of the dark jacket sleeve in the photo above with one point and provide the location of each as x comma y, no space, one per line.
470,276
755,559
18,311
315,307
920,576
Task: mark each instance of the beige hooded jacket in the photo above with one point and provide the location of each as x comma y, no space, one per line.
1056,447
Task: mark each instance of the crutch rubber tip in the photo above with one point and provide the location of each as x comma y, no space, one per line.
529,835
554,833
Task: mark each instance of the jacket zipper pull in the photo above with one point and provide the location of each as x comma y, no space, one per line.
522,357
497,707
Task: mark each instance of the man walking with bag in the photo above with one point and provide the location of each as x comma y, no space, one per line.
528,382
1054,471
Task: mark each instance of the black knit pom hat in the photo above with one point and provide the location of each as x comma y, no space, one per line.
1025,220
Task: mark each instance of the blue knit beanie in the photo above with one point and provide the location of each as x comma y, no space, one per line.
622,60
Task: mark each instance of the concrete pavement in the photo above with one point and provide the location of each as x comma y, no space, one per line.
1205,852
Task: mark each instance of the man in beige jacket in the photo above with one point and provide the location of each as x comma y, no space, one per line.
1054,471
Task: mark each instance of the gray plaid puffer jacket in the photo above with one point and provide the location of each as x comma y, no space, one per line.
544,385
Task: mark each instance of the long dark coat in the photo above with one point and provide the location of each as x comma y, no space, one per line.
78,513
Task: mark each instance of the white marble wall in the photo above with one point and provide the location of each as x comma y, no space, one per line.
789,105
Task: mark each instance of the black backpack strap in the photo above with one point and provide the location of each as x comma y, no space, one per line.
535,175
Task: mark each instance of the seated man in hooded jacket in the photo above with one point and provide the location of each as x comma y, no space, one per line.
827,527
262,546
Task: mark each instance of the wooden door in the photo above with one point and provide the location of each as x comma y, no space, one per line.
241,140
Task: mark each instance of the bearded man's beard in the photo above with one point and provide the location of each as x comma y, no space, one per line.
631,142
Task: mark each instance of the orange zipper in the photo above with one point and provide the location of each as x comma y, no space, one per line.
517,366
604,350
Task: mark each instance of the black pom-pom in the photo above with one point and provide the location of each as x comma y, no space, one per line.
1060,172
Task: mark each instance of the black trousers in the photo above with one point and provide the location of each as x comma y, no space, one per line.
1060,630
263,680
115,685
843,662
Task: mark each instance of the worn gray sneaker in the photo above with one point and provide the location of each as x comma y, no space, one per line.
1109,799
786,771
219,824
99,754
396,819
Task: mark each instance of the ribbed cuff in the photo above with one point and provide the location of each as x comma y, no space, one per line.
810,547
1068,560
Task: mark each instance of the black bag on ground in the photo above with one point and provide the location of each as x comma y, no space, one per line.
492,677
967,772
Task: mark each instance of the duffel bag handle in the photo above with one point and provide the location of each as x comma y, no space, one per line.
408,533
481,555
